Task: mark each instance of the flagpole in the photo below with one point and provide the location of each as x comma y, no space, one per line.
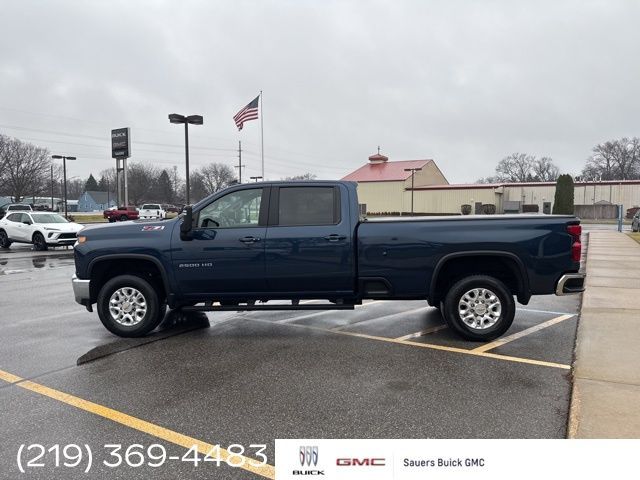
262,133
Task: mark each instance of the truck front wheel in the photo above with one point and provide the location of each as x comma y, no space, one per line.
129,306
479,308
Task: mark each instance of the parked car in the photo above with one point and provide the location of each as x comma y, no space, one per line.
304,240
635,223
171,208
121,214
153,211
14,207
631,212
41,229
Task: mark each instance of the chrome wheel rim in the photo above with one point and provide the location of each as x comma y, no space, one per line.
127,306
479,309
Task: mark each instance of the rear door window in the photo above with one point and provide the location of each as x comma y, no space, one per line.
308,206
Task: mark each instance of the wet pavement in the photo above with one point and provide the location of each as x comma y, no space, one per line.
384,370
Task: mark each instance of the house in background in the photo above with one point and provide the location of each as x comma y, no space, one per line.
92,201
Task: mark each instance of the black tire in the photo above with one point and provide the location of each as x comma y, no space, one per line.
112,220
4,240
39,243
123,218
152,317
503,303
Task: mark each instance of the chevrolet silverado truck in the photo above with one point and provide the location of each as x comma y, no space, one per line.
121,214
290,241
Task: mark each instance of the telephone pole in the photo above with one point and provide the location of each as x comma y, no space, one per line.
240,166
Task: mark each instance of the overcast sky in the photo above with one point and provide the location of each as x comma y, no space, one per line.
463,82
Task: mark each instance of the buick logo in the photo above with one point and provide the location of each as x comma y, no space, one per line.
308,456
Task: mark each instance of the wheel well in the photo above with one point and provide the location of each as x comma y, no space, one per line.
35,233
105,270
504,269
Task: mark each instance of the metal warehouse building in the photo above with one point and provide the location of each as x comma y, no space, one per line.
384,187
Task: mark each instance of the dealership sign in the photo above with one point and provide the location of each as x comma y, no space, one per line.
120,143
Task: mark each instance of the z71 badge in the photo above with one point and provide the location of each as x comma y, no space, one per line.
152,228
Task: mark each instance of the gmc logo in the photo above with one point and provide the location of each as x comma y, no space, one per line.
360,462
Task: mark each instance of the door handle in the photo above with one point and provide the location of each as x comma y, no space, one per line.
249,239
334,237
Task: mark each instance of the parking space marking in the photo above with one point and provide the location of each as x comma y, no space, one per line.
523,333
533,310
422,333
384,317
267,471
431,346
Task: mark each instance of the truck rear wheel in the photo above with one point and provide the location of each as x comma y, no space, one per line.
479,308
129,306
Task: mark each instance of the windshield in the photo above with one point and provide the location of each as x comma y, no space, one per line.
150,206
49,218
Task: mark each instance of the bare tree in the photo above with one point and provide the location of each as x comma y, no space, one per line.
24,168
517,167
544,170
614,160
216,176
521,167
75,188
305,176
141,181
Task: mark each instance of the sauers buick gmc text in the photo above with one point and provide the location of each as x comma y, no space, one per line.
251,243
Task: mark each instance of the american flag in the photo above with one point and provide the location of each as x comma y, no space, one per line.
250,112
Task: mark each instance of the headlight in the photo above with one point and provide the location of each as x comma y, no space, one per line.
82,238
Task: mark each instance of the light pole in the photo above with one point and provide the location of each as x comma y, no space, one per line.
256,178
195,120
413,172
64,176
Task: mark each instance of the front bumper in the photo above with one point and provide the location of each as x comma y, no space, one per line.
81,291
570,283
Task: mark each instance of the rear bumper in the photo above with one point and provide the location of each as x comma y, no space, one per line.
570,283
81,291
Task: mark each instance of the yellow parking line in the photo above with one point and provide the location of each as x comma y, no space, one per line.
523,333
421,333
249,464
431,346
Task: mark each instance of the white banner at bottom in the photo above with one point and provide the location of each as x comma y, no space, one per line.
379,459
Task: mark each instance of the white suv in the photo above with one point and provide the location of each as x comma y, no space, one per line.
152,210
42,229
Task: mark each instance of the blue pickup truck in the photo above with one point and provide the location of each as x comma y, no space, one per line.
291,241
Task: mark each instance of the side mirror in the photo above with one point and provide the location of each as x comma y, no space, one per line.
27,222
187,223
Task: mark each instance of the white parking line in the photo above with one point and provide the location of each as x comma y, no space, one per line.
533,310
421,333
384,317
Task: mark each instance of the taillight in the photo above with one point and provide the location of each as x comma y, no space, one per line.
575,231
576,247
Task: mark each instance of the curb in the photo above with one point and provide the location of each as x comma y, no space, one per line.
606,370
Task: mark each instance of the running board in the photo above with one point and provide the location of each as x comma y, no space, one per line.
242,308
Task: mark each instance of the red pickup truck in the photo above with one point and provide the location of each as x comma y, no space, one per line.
121,213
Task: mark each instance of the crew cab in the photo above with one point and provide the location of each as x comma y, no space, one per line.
252,243
152,211
122,214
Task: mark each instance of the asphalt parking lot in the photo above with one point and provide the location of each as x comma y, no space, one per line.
384,370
